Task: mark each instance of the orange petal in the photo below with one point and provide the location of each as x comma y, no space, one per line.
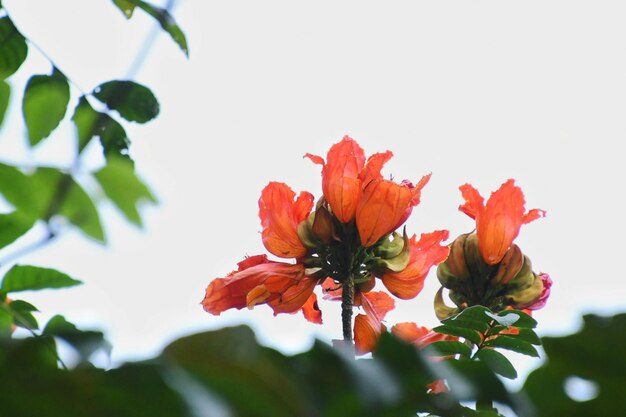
256,296
311,310
340,178
315,159
280,217
473,200
366,333
376,304
232,291
373,167
383,205
424,254
294,297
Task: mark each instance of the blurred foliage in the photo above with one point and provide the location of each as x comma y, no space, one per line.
226,372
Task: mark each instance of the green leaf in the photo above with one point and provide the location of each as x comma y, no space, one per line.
85,342
90,123
13,48
448,348
503,319
497,362
167,23
44,104
529,336
5,96
6,322
26,277
124,189
524,321
12,226
593,356
65,197
469,334
512,343
126,6
17,189
471,318
21,312
133,101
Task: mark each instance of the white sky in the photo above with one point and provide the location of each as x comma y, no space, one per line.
473,92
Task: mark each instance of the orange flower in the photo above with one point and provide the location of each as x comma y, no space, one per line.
340,177
284,287
499,221
280,217
354,188
424,254
369,326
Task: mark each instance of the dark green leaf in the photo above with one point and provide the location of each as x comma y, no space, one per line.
524,321
5,96
90,123
497,362
474,317
167,22
21,312
514,344
469,334
594,356
133,101
121,185
85,342
44,104
12,226
529,336
126,6
13,48
26,277
6,322
448,348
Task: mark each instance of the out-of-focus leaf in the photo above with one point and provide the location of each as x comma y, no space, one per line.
167,22
5,95
27,277
124,189
497,362
595,354
6,322
13,48
252,379
133,101
44,104
90,123
126,6
22,314
12,226
16,188
86,342
28,371
66,197
448,348
513,343
469,334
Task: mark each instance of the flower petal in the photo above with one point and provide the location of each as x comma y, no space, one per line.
382,207
248,286
373,167
280,217
473,200
340,178
311,310
424,254
368,327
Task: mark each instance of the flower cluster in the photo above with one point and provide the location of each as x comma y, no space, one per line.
343,244
485,267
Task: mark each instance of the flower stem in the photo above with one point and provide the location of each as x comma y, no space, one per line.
347,301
